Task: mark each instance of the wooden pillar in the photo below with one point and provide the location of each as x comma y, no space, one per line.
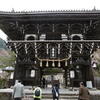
41,74
38,77
65,76
17,75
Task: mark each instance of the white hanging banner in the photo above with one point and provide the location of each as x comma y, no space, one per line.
32,73
72,74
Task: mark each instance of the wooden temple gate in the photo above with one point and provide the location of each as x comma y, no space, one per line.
63,39
37,58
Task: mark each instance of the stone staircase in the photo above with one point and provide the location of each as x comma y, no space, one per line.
65,94
47,95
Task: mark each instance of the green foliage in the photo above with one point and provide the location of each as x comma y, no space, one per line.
3,83
7,60
98,67
4,62
97,71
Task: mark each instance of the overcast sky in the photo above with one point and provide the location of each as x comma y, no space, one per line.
31,5
48,4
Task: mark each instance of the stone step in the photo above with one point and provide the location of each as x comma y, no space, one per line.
52,99
60,99
49,97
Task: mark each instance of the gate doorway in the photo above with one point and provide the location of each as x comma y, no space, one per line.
53,76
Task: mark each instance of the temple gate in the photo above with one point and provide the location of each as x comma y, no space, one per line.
58,39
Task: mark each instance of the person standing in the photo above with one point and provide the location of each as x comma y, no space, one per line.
83,92
55,92
37,93
18,91
44,82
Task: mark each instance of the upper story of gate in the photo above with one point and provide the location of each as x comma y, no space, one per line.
51,25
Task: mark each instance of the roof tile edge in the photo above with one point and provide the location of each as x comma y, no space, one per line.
50,11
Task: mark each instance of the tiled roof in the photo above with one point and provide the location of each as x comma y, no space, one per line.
52,12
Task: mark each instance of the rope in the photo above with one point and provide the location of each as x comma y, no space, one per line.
65,59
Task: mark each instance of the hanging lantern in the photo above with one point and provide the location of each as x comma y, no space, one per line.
41,63
47,64
65,62
70,61
59,64
53,64
35,62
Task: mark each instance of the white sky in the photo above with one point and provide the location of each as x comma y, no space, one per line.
48,4
31,5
